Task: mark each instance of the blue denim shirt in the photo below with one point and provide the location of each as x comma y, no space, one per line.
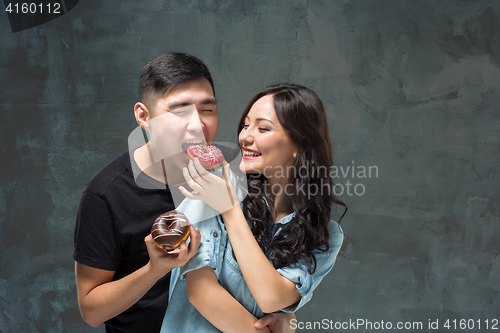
215,251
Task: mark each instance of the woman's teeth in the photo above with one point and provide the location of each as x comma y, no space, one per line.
251,153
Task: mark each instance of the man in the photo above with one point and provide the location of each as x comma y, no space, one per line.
122,278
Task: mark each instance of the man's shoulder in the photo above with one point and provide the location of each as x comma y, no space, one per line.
109,174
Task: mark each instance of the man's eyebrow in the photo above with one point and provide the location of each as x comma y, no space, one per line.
177,105
209,101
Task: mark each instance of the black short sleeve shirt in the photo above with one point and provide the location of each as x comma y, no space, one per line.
113,218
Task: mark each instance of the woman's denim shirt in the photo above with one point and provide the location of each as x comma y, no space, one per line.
216,251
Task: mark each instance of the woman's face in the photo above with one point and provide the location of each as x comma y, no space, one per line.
266,146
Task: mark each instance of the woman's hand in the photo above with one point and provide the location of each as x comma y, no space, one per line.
217,192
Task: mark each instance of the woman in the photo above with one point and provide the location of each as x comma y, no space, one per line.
270,253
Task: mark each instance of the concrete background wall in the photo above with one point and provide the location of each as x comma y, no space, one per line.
411,88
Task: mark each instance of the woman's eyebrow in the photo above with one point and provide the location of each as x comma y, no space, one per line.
265,119
259,119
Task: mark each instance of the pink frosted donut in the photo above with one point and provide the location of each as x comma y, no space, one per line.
210,157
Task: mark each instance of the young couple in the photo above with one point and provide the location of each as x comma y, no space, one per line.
265,255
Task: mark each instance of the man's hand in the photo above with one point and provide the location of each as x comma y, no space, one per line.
277,322
162,261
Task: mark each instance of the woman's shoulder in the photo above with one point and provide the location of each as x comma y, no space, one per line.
334,227
336,234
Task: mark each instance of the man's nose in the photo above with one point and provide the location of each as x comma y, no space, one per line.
194,123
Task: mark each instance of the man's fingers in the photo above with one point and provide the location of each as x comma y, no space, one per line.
259,324
183,252
264,321
194,244
148,239
176,251
276,322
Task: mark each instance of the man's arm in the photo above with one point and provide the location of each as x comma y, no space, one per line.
216,304
101,299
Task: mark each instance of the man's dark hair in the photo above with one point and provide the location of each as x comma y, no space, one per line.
169,70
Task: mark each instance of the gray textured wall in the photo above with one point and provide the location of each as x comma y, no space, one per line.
411,87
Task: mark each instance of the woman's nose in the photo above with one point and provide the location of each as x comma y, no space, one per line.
246,136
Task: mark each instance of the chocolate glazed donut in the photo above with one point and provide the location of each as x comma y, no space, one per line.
170,229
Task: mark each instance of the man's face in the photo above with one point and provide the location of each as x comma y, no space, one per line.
185,115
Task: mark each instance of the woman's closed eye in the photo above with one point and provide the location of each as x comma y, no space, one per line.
262,129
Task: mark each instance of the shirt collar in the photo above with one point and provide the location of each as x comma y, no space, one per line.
286,219
283,220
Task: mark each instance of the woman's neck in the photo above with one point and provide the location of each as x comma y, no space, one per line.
280,203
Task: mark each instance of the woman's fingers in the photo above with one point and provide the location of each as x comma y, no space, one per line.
190,180
213,190
201,170
195,174
187,194
226,171
226,176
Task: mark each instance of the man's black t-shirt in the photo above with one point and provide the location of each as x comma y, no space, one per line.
114,216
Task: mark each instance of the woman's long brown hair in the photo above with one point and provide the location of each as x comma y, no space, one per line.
301,113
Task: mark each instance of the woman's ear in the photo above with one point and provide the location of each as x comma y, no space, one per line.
142,115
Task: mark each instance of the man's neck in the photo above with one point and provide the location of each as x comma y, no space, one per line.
144,161
161,170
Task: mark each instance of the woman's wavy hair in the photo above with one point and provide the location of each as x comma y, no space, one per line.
301,113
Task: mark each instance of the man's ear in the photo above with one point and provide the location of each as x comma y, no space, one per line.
142,115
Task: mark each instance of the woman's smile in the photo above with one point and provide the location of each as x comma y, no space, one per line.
249,154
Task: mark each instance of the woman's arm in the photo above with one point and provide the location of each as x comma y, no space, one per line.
219,307
271,290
